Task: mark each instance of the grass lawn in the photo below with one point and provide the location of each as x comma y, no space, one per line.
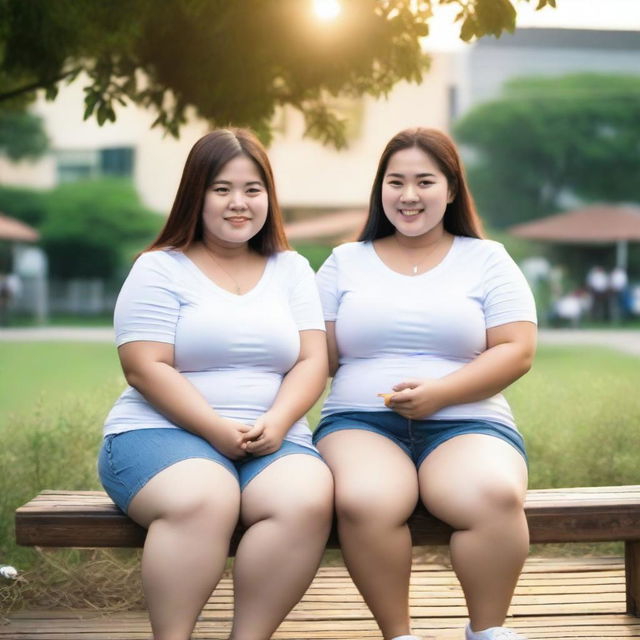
579,410
50,375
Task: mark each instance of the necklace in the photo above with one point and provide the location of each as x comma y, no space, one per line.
238,290
415,267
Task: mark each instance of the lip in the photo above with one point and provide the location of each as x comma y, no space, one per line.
237,220
411,212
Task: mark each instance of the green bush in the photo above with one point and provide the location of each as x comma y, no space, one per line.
316,254
89,229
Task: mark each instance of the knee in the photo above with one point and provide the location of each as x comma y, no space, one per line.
501,497
304,510
204,507
361,505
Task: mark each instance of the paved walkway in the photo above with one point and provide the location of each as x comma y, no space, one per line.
626,341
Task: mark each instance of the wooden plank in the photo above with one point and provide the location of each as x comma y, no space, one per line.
330,611
632,571
90,519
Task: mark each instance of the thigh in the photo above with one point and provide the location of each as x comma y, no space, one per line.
164,473
374,477
466,475
298,486
190,489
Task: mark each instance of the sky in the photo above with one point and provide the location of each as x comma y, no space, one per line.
576,14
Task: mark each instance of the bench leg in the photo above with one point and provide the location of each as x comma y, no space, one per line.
632,572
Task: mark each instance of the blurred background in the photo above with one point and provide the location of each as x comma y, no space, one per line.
101,102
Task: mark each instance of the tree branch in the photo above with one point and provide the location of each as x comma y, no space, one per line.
39,84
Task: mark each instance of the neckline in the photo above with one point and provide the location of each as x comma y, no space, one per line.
417,276
194,268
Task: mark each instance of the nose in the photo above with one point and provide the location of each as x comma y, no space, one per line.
409,194
238,201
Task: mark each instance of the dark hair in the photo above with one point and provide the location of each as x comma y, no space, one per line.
205,161
460,216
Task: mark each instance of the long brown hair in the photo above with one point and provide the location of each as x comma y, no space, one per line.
205,161
460,217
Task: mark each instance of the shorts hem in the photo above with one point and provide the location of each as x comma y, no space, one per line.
309,452
481,432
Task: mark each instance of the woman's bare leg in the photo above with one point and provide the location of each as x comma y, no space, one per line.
190,509
477,484
376,492
288,509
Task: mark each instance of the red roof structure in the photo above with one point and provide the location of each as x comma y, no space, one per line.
597,224
12,229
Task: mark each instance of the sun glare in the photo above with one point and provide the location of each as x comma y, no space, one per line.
327,9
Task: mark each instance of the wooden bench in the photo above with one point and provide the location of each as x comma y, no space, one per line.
596,514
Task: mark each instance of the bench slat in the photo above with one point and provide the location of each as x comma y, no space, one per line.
583,514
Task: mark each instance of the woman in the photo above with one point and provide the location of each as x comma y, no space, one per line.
221,339
437,320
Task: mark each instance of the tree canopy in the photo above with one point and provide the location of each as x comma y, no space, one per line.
549,140
232,62
21,135
89,229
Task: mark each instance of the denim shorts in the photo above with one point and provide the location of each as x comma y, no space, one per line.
128,460
417,438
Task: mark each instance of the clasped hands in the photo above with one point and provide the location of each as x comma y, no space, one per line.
236,440
416,399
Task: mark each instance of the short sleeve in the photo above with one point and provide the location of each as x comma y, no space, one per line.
507,297
148,304
327,281
304,299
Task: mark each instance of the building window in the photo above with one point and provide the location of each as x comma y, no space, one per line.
85,164
117,161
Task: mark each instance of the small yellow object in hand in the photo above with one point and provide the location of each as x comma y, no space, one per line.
387,398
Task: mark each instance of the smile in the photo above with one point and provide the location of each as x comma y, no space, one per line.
410,212
237,219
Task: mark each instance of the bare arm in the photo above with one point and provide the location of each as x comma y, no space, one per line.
332,348
148,368
509,355
300,389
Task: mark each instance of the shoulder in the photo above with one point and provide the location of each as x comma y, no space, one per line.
349,253
291,262
481,250
159,262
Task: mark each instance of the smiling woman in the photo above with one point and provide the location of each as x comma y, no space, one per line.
220,337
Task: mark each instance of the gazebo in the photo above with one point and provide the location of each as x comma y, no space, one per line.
16,231
597,224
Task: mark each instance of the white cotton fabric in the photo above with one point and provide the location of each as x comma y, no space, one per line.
392,327
234,349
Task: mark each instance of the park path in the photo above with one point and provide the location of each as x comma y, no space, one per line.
624,340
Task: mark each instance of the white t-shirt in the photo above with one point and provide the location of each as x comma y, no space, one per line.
234,349
391,327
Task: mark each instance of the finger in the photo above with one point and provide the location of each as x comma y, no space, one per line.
254,433
402,397
257,451
407,384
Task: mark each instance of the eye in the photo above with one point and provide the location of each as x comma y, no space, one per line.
220,189
254,190
394,183
426,183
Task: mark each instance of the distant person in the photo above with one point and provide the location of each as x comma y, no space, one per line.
10,288
618,282
220,335
436,319
598,286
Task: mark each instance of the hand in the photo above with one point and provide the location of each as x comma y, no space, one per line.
229,438
417,399
264,437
